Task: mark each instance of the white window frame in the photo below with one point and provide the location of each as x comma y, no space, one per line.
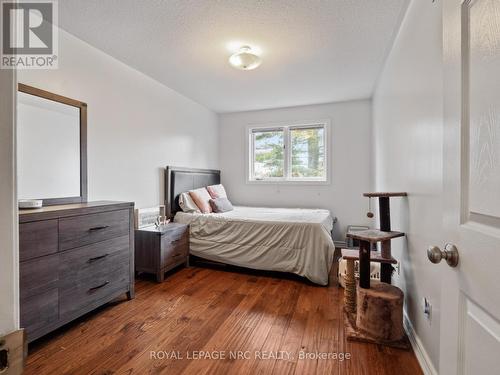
286,127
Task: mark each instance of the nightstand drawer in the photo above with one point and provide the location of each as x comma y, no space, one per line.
174,255
175,240
174,248
87,229
175,235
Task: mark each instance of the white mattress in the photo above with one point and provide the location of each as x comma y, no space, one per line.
277,239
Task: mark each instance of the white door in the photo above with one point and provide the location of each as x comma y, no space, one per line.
470,314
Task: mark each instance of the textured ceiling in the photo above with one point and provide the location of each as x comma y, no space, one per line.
314,51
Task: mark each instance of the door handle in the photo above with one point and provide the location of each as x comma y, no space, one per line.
450,254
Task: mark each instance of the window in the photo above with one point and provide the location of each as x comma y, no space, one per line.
268,152
288,153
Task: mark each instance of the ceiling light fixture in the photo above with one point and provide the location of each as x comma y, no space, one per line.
245,59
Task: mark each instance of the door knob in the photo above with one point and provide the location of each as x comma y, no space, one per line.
450,254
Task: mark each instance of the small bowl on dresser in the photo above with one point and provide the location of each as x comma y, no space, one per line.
30,203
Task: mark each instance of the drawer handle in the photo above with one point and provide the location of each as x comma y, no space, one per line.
92,290
176,241
97,258
176,255
101,227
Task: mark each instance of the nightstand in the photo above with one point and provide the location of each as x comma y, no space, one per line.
158,250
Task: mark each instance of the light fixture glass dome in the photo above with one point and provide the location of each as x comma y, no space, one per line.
244,59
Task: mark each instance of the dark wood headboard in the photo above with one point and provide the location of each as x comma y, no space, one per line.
179,180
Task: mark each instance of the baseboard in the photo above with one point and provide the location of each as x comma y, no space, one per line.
419,349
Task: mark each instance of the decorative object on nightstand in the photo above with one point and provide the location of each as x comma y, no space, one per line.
160,249
374,311
146,217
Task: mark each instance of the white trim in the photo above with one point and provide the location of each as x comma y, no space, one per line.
286,154
418,348
9,266
325,123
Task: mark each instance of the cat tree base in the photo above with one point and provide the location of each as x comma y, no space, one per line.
379,316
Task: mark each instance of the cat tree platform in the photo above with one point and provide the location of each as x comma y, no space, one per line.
385,194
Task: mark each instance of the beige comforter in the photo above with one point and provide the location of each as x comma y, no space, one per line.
277,239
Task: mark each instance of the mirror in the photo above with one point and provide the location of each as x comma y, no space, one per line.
51,147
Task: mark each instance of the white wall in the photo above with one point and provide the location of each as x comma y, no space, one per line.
350,164
136,126
408,126
9,260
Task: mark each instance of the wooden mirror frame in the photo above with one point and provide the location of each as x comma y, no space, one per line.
82,198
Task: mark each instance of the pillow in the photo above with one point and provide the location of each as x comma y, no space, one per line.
201,197
217,191
221,205
187,204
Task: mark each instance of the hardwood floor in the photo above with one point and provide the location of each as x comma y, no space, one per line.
222,313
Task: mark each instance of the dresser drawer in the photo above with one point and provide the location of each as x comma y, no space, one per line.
38,275
89,291
37,239
87,260
87,229
85,263
39,310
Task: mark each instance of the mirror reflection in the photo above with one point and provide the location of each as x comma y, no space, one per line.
48,148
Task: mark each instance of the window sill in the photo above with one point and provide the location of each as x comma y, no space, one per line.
288,182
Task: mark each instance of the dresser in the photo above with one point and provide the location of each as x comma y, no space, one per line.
73,259
160,249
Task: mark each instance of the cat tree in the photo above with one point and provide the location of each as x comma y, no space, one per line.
374,311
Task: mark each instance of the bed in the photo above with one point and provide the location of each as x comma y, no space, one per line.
276,239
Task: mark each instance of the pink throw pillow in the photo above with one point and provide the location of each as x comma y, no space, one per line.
217,191
202,199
